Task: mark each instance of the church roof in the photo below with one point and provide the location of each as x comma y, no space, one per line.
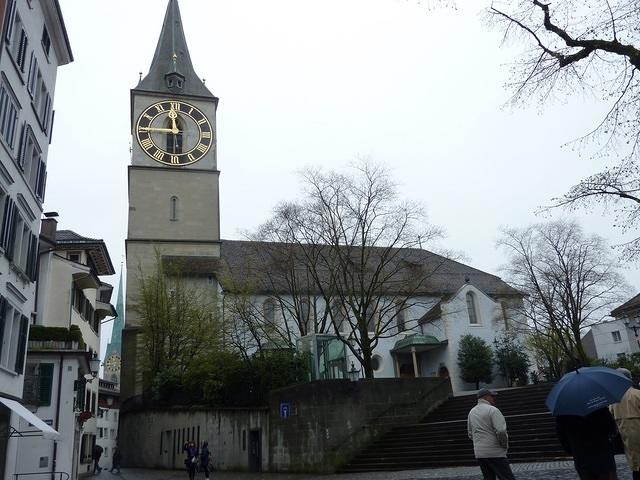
245,262
172,58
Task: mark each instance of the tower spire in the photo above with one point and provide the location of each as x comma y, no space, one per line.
171,69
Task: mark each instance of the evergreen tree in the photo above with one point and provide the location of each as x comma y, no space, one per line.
475,359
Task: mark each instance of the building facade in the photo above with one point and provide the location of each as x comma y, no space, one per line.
617,337
108,417
35,44
61,376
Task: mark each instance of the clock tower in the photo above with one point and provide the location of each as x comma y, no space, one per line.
173,176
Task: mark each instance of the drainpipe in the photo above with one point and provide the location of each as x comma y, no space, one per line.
55,443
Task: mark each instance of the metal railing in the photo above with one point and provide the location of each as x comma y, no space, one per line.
41,475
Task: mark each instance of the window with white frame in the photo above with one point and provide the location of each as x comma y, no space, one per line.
40,98
18,41
268,311
9,108
471,308
31,163
46,40
14,328
25,247
616,336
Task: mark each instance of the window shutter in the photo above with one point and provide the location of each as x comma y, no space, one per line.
33,63
8,228
40,182
22,152
32,260
13,224
22,344
8,28
46,383
3,320
22,50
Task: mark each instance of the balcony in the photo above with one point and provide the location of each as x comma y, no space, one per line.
55,338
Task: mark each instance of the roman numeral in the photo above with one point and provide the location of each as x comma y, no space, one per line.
175,106
190,110
206,134
201,121
147,116
159,108
201,147
146,143
174,160
191,157
158,155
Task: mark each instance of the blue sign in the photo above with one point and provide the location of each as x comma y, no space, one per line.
285,410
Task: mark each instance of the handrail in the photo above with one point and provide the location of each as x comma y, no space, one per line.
52,475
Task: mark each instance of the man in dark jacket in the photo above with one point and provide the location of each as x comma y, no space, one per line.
588,440
96,454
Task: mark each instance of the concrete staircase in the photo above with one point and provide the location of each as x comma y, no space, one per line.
440,439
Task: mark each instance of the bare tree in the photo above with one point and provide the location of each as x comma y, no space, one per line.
347,259
569,278
593,47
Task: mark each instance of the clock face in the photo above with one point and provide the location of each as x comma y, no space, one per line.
174,133
113,362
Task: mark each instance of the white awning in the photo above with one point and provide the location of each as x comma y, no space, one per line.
47,431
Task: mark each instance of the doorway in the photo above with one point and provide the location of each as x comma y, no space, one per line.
255,451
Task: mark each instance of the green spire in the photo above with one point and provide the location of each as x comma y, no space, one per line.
115,345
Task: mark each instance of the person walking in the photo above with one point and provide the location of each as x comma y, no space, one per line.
191,462
588,439
95,455
205,459
627,417
487,429
116,459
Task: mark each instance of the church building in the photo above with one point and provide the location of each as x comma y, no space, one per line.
174,213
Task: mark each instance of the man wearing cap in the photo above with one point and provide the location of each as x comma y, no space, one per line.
488,430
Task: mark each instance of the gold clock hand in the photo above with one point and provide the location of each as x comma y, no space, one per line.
173,115
152,129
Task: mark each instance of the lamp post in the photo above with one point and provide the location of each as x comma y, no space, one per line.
354,373
633,323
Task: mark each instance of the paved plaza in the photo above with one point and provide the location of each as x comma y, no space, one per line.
562,470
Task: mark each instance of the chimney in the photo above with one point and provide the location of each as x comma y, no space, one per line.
48,227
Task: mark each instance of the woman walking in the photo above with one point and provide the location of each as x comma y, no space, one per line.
205,459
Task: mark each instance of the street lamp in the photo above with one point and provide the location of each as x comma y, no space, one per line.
354,373
94,365
635,325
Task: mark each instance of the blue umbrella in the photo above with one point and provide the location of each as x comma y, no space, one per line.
586,390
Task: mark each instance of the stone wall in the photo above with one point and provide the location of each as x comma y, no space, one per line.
153,438
319,426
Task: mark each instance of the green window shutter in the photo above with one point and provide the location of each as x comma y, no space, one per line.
46,384
22,344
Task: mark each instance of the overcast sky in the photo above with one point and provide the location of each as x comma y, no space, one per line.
322,83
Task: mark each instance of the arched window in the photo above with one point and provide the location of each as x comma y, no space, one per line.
338,314
269,311
173,209
174,141
400,317
471,308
